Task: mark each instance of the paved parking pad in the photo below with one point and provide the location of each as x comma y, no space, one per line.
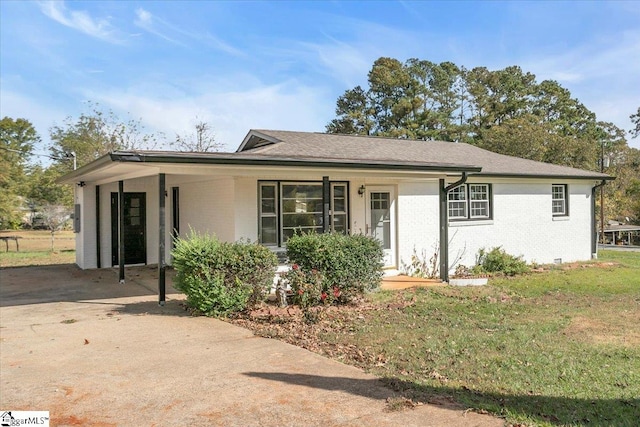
95,352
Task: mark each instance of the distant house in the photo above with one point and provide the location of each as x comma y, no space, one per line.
422,196
620,234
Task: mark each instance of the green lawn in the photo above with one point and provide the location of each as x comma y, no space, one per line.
554,348
35,248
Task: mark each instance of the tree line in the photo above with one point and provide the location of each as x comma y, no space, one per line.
28,191
506,111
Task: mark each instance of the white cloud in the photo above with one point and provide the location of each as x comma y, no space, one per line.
42,116
604,75
147,22
80,20
172,33
348,64
231,113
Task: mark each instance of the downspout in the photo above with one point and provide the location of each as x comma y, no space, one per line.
594,236
444,225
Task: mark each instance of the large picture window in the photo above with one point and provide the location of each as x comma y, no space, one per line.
289,207
469,201
559,200
301,208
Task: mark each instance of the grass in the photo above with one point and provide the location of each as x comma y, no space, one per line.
35,248
554,348
558,348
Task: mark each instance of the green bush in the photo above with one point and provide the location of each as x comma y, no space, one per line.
497,260
349,265
219,278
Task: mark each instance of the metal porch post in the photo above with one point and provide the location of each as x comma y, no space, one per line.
326,205
98,238
121,230
161,239
444,225
444,234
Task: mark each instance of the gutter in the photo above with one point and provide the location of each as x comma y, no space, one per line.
254,161
444,225
544,176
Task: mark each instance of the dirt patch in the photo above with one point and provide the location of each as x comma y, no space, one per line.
624,332
288,324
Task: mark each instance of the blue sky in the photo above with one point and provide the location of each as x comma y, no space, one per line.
282,65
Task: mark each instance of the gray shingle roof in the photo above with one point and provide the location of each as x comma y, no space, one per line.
308,145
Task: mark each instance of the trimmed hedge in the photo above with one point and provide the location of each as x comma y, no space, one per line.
349,265
220,278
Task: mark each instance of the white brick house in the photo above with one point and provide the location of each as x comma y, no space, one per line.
412,195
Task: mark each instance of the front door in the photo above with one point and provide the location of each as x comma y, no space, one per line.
381,220
135,236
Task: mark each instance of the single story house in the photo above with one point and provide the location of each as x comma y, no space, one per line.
421,197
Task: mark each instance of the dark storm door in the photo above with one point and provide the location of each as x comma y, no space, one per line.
135,236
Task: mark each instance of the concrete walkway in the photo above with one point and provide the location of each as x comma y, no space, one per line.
94,352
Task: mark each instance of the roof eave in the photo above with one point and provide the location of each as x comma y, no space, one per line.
71,177
545,176
271,161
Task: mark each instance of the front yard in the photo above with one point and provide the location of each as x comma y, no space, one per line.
554,348
35,248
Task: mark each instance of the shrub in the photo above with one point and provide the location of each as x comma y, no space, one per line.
307,290
219,278
497,260
349,265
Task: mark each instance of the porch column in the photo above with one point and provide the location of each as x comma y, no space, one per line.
444,234
444,225
121,230
326,204
161,239
98,263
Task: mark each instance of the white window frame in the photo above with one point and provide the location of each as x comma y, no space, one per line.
564,199
281,213
469,199
274,214
479,201
345,213
460,194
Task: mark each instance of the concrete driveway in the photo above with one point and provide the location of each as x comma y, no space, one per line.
95,352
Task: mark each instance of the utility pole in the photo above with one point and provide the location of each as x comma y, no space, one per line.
602,165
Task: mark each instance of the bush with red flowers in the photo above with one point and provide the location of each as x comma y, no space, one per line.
341,267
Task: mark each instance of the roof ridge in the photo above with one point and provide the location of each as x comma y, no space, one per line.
379,137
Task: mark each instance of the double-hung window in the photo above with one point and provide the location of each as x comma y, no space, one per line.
339,204
268,212
559,200
469,201
289,207
301,208
458,202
